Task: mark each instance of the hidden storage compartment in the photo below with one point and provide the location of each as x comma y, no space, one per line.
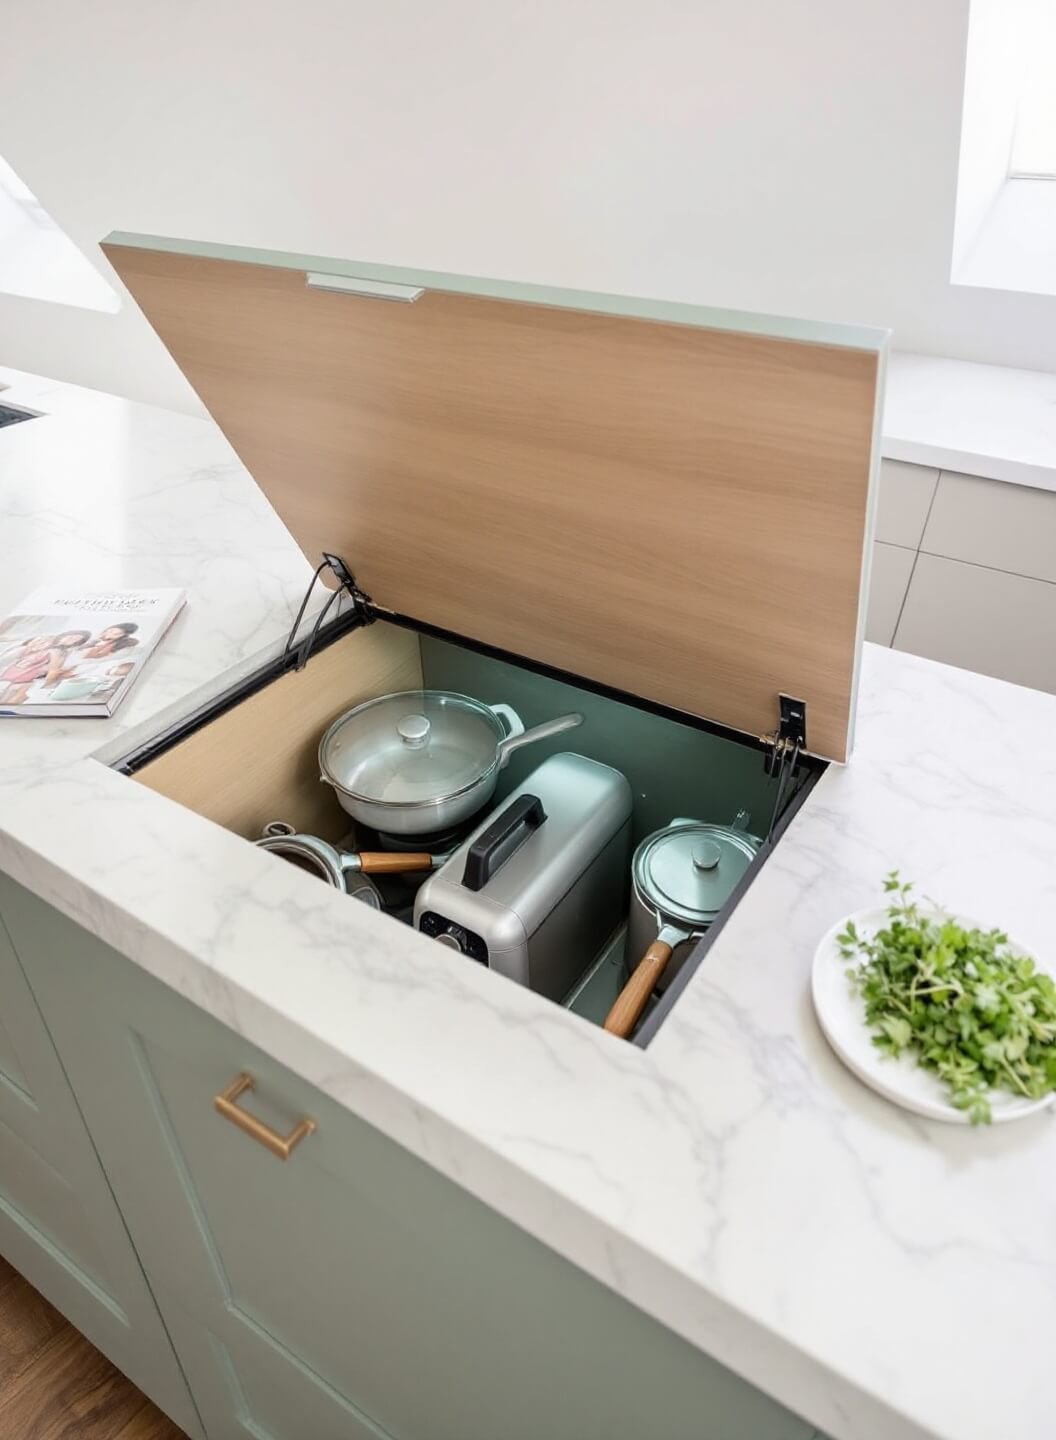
256,761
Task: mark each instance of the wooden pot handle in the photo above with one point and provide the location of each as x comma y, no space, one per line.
632,999
386,862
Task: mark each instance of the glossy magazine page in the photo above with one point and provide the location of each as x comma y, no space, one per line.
72,652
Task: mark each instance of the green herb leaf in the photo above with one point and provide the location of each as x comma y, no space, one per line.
898,1031
979,1017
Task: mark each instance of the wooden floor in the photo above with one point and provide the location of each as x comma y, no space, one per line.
54,1385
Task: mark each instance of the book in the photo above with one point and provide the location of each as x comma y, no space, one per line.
73,652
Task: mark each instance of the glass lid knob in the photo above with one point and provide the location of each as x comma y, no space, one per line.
707,855
414,731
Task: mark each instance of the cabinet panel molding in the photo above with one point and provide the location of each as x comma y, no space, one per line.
59,1223
11,1073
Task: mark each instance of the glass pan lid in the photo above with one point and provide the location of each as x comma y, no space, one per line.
414,746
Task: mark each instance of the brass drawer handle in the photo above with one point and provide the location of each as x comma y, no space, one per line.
281,1145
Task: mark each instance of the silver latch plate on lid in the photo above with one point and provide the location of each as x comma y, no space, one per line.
370,289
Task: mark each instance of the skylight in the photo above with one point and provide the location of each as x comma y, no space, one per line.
1034,142
39,260
1004,235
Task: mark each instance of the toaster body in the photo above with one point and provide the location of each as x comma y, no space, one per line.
537,889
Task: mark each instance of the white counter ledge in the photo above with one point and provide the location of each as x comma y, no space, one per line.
883,1276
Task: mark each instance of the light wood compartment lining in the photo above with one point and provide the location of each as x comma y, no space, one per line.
259,761
675,511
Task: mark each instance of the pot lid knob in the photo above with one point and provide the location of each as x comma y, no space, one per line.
414,731
707,855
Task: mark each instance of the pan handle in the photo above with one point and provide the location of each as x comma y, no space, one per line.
506,747
368,862
388,862
275,829
514,723
634,996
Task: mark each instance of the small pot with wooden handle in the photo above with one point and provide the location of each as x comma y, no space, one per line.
645,977
336,866
682,876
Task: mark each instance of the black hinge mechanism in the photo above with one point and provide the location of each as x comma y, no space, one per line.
790,737
362,606
361,601
783,749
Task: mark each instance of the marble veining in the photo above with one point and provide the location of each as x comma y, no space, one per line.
881,1275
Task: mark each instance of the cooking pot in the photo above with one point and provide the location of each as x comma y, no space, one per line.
343,869
421,761
681,877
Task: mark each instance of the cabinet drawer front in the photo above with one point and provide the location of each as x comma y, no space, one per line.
27,1079
53,1209
249,1387
59,1223
350,1282
47,1171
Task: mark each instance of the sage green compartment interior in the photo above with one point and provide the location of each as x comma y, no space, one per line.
674,769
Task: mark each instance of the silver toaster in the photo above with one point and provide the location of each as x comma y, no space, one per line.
536,890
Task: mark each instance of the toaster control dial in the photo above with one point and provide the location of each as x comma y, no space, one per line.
455,937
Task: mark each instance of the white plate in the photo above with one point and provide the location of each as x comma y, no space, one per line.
841,1015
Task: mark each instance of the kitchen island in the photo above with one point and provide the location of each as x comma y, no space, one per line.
880,1275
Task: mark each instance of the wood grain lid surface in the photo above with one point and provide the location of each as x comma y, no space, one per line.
674,510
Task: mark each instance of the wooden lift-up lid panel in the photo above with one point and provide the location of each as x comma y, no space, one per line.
674,509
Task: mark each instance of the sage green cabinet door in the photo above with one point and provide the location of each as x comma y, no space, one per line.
351,1290
59,1223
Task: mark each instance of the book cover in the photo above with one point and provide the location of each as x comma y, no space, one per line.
67,652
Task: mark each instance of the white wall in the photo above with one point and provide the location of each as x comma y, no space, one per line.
795,156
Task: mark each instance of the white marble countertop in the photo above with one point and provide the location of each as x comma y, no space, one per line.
883,1276
110,494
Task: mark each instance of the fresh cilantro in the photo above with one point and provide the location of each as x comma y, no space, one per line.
978,1016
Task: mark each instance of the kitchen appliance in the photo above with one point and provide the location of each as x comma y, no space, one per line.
681,877
536,891
423,760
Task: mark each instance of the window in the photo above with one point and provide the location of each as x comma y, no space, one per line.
1005,224
39,260
1034,142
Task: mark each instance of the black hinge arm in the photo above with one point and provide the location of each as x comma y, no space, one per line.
792,721
361,601
783,749
790,737
361,604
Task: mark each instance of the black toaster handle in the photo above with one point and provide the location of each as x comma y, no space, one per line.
490,849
